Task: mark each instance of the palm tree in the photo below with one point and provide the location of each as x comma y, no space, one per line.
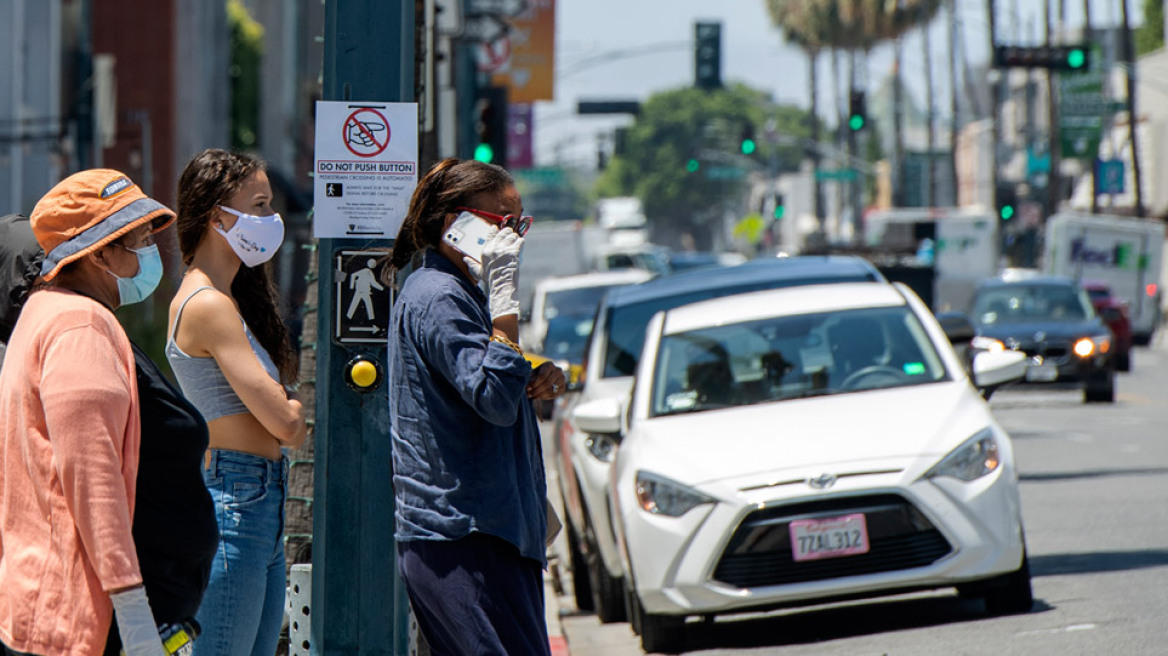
855,25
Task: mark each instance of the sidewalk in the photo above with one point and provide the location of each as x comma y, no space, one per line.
559,644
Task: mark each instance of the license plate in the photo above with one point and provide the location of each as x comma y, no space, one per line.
812,539
1042,373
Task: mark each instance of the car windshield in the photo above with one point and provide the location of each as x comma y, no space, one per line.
573,302
792,357
624,326
1025,303
567,338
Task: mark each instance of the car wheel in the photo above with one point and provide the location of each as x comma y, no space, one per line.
581,582
1100,392
1011,594
1123,361
608,596
662,633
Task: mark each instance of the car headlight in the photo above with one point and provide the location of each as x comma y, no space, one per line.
661,496
1085,347
602,446
987,343
975,458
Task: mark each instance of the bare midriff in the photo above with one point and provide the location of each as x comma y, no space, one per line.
243,432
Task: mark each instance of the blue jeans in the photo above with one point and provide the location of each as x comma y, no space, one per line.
243,607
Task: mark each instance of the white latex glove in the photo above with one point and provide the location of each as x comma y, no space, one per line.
475,269
136,624
501,272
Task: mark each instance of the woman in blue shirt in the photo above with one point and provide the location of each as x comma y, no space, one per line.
468,474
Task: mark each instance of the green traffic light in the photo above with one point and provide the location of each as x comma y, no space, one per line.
1007,212
1076,58
484,153
748,146
780,211
692,166
856,122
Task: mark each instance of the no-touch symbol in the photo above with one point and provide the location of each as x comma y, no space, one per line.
366,132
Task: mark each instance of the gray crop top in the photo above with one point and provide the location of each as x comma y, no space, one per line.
201,379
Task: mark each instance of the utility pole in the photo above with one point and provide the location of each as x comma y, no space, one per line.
1094,160
359,606
1054,146
817,189
995,101
930,116
954,76
898,127
1132,118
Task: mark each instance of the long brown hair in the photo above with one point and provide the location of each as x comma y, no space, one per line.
448,184
210,180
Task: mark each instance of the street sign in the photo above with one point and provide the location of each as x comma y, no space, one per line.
545,175
362,310
1082,108
725,173
366,168
1109,176
836,174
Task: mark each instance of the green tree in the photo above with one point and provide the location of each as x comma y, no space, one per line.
687,125
247,46
1150,36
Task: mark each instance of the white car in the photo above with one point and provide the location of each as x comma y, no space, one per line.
809,444
571,299
583,458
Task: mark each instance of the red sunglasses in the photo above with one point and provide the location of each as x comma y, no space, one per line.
520,224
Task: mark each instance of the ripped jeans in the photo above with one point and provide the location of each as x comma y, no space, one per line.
243,607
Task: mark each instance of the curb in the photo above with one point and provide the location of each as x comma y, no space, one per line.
551,594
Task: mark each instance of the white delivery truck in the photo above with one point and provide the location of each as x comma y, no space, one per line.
964,246
1124,252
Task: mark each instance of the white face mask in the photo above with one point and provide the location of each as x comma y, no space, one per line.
253,238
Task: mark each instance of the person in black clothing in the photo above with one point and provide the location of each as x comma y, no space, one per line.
174,527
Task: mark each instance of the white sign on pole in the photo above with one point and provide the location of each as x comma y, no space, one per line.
366,168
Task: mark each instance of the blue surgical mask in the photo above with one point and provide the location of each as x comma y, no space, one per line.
142,284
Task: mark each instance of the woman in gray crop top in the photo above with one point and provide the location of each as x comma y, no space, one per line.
229,350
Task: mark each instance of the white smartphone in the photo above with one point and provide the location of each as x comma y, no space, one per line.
468,234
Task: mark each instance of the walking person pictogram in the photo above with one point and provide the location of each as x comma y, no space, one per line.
364,282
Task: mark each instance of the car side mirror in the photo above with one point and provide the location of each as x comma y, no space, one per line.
992,369
598,416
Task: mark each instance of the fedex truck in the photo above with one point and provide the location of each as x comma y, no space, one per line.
1126,253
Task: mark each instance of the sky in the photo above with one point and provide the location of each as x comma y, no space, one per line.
752,52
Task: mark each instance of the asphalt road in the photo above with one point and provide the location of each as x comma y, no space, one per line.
1095,506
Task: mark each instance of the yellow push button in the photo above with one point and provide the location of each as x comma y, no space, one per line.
362,374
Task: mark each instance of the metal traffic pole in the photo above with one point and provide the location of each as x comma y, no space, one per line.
359,606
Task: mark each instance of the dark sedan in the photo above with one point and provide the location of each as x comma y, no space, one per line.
1051,320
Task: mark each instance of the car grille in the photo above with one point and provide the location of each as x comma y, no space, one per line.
899,537
1056,352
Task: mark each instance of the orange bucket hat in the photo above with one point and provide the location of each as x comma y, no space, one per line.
88,210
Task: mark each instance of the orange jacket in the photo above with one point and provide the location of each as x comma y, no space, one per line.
69,437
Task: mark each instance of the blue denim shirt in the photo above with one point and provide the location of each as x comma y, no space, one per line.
466,447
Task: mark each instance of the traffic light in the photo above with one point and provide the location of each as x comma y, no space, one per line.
857,111
1006,201
746,142
693,165
708,55
1062,58
491,126
780,207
